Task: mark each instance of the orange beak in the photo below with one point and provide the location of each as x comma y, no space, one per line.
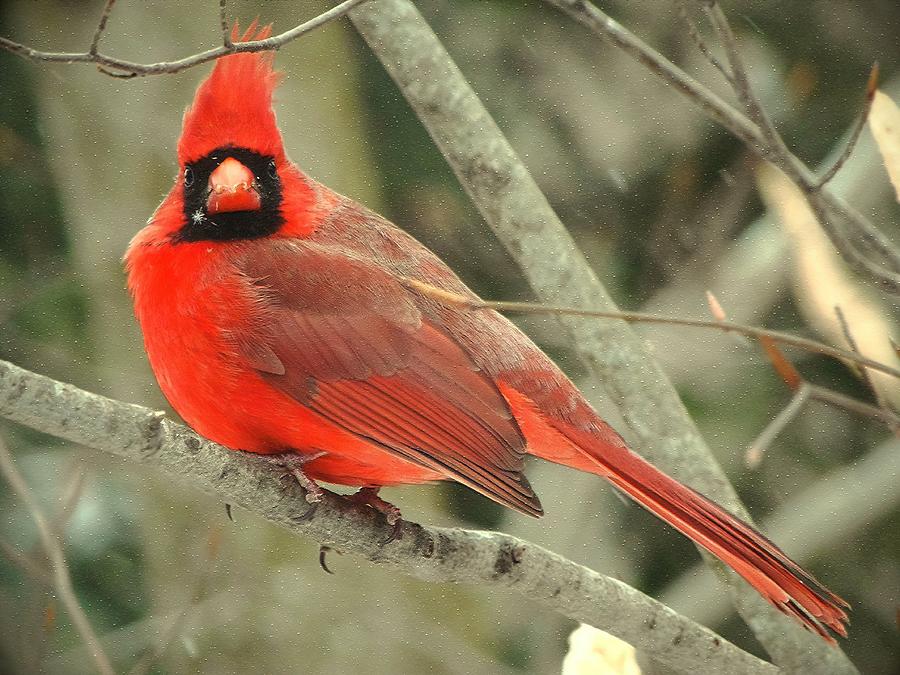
232,188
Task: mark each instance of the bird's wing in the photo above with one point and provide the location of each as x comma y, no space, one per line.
344,338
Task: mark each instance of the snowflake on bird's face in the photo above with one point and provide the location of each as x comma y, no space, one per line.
198,217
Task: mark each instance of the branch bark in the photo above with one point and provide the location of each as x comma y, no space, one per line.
429,553
514,207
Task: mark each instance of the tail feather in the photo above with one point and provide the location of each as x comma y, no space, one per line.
778,579
601,451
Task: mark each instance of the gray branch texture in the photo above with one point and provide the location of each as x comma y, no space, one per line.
430,553
517,211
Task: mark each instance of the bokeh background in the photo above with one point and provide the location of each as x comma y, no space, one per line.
664,203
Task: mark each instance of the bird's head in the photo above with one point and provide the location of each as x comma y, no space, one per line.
234,181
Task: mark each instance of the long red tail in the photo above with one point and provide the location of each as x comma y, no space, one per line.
778,579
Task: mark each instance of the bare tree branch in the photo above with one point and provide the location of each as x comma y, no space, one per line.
223,20
835,215
864,372
684,13
101,27
25,563
754,454
517,211
643,317
62,581
428,553
855,131
127,69
870,240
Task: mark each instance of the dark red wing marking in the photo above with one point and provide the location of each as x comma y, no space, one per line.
350,344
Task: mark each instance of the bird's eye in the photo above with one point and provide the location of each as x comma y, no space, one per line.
272,169
188,176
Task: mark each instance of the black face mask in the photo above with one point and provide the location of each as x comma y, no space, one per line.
230,225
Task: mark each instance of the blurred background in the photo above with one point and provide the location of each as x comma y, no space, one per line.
665,205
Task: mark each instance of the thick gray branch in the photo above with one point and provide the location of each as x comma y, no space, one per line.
429,553
517,211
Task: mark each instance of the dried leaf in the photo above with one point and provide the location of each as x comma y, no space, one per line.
822,282
884,121
780,363
715,307
596,652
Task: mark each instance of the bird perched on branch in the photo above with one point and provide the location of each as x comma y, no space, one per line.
281,317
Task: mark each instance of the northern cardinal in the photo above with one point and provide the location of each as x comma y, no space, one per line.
277,317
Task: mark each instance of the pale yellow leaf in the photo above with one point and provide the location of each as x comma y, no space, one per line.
822,281
884,121
596,652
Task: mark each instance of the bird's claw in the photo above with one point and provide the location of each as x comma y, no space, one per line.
323,551
292,463
369,497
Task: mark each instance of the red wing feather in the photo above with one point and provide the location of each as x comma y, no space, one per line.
353,347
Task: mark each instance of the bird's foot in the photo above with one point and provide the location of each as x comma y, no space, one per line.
292,463
369,497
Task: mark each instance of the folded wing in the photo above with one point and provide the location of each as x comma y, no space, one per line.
344,338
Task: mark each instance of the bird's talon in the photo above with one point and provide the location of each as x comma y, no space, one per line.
323,551
369,497
396,532
292,465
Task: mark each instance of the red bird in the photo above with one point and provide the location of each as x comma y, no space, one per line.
278,317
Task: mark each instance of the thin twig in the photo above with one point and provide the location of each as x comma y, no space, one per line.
864,372
71,495
101,27
642,317
25,563
871,240
223,20
699,42
774,144
754,454
851,341
883,415
833,208
856,131
120,68
804,390
61,579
